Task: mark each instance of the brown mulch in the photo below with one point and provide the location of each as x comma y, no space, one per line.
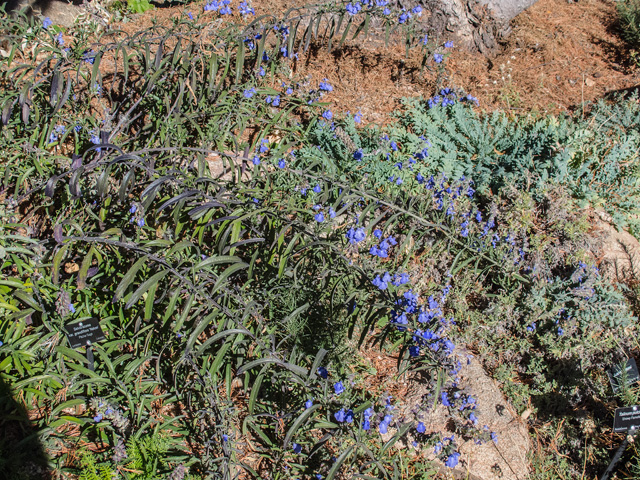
558,55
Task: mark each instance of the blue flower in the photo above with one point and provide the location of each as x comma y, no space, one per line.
400,279
382,428
425,39
356,235
449,44
297,448
417,10
323,372
190,15
326,86
133,209
338,388
141,222
46,23
452,461
59,39
263,145
340,415
327,115
282,163
357,117
245,9
377,233
494,437
421,428
357,155
437,57
98,418
332,213
353,8
349,416
212,5
317,188
445,399
308,403
89,56
382,283
249,92
256,160
319,217
414,351
404,17
72,309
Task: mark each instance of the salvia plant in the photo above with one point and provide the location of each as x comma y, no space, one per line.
233,304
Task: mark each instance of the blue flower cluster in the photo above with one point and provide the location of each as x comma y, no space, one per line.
356,235
447,96
58,131
222,7
382,249
245,9
397,280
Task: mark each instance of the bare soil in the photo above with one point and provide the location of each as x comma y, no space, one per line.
559,55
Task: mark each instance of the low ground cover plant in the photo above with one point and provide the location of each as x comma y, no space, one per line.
236,305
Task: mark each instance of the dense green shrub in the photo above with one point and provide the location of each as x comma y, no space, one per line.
234,308
629,12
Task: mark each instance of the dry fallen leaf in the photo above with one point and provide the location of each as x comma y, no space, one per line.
71,267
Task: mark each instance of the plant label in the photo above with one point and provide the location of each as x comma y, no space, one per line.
616,374
627,419
84,333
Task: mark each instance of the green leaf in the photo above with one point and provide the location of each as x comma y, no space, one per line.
227,273
293,368
240,60
303,417
338,463
128,278
84,269
57,259
135,296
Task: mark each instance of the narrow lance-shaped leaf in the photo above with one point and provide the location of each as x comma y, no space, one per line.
303,417
135,296
128,278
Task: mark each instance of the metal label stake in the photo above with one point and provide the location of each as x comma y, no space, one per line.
90,356
618,455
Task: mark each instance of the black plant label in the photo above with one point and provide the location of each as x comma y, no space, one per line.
630,369
84,333
627,418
